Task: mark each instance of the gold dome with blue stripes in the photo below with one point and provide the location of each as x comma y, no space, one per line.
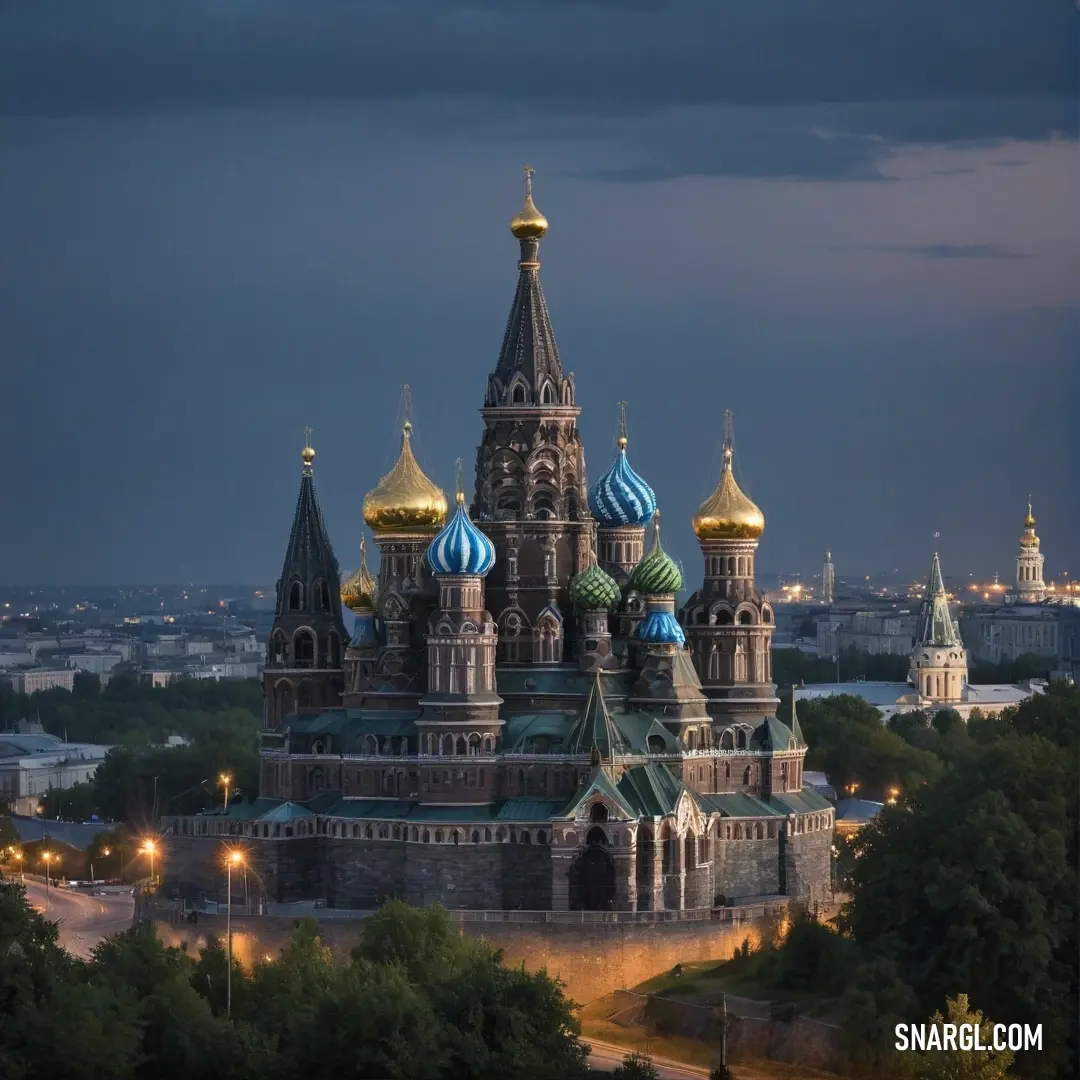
620,496
461,548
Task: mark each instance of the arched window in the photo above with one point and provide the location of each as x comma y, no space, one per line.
525,837
740,739
427,837
547,395
746,776
541,837
415,833
461,747
476,836
474,744
304,648
544,507
487,836
517,395
598,812
745,618
296,596
367,832
438,836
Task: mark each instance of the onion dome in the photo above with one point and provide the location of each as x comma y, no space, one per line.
529,223
658,573
461,548
620,496
358,589
727,514
405,500
661,628
1028,539
594,590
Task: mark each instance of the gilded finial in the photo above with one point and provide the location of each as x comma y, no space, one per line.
937,537
307,455
529,224
622,440
729,435
459,481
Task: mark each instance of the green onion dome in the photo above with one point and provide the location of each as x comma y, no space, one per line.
657,573
594,590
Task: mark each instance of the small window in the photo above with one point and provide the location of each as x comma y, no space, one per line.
518,394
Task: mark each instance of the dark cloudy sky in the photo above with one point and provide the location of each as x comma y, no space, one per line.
854,223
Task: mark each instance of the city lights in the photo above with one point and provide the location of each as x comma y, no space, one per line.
150,848
225,780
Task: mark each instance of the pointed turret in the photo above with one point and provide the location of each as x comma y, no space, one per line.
304,655
939,662
529,371
936,626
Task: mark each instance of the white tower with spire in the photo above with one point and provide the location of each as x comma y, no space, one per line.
939,661
828,579
1030,587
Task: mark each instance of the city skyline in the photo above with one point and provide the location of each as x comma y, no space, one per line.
201,257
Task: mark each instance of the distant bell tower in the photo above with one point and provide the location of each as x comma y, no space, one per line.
828,579
530,495
1030,587
304,654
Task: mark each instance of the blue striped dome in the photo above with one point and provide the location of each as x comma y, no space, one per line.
621,497
461,548
661,627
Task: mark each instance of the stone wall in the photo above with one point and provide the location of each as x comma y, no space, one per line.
591,957
808,860
361,873
748,868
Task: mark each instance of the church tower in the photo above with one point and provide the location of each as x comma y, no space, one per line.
728,624
404,511
304,654
1030,587
828,579
460,717
939,661
530,470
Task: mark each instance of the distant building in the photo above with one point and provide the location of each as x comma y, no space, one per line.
35,679
828,580
1052,630
889,633
1030,587
98,663
853,814
32,762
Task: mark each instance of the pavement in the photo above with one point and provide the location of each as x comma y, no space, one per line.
606,1056
83,920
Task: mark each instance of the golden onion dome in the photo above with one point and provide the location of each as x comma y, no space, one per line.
307,456
405,500
359,588
529,223
727,514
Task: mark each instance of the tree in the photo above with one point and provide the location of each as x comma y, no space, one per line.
76,803
975,888
635,1066
962,1064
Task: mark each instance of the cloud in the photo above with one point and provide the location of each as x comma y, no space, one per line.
958,251
602,57
1009,163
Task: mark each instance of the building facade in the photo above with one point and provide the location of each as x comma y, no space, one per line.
828,579
521,718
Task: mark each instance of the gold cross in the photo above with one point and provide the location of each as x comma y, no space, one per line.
529,171
307,436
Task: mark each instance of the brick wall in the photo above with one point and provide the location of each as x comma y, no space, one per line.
747,868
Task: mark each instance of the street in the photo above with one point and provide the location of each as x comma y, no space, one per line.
83,920
605,1057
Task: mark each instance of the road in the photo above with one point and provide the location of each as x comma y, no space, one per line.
83,920
605,1057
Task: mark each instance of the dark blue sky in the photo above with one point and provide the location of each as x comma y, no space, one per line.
853,224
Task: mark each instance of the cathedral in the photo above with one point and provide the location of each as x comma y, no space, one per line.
522,717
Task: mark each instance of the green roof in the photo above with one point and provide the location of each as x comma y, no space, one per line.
738,804
599,781
519,729
651,788
595,727
807,801
772,734
528,809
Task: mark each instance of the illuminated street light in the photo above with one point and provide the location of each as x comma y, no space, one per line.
150,848
18,857
232,858
47,858
225,779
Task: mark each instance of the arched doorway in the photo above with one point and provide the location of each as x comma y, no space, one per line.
592,876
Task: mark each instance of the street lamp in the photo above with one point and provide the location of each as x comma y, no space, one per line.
18,857
47,857
225,779
150,848
233,858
